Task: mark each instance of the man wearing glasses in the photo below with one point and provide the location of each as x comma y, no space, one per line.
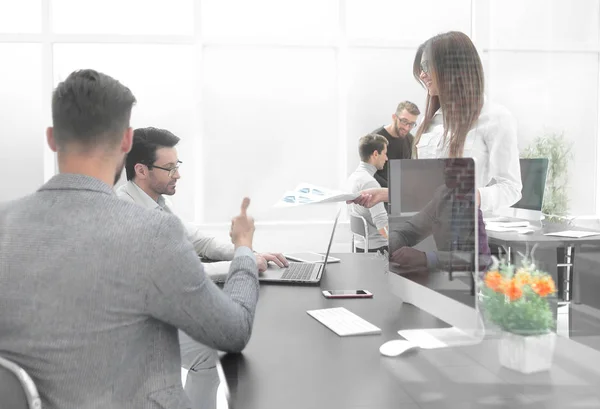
152,168
399,138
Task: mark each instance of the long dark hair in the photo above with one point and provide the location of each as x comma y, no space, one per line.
456,68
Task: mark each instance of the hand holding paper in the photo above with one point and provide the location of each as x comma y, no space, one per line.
306,193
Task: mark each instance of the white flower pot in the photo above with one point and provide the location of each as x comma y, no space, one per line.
527,354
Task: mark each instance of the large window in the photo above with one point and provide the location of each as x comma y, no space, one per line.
266,94
22,125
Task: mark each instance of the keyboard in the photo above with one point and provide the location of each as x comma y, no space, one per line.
298,271
343,322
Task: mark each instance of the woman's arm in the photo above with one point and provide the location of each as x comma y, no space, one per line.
504,188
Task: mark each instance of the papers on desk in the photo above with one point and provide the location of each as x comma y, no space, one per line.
306,193
504,226
496,219
433,338
576,234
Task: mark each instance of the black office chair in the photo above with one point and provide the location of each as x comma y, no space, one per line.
17,390
358,225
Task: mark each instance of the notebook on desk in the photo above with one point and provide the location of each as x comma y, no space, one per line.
299,273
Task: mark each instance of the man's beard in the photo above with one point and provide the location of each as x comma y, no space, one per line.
399,131
119,171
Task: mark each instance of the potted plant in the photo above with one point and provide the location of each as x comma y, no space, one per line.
557,149
516,300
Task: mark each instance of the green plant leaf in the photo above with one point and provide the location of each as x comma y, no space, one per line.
558,150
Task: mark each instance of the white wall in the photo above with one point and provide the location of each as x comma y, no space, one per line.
269,93
541,61
22,134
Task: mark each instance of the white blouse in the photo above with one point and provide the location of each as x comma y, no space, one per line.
492,142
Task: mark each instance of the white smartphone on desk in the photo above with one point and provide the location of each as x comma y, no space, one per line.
310,257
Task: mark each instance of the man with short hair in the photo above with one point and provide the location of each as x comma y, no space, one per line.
152,168
398,135
372,149
93,289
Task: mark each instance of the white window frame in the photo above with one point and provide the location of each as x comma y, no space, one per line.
341,45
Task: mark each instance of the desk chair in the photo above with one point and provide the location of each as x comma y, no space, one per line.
17,390
358,225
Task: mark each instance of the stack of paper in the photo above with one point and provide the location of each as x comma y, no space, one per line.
433,338
503,226
577,234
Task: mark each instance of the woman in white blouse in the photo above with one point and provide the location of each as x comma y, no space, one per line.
460,122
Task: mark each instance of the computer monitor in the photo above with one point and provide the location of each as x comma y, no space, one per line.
533,177
437,215
409,195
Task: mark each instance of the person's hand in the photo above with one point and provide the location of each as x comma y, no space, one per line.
478,198
410,259
276,258
370,197
362,200
261,263
242,227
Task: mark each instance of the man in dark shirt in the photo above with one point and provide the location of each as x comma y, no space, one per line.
399,138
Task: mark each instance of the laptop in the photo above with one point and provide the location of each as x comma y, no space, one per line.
299,273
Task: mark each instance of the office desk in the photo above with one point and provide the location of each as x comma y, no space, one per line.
293,361
568,283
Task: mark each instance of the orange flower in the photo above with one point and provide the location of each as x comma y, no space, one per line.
513,290
543,286
494,280
523,276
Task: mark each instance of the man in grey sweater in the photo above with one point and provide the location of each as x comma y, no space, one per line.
92,288
152,168
372,149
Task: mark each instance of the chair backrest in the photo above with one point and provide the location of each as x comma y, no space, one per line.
358,225
17,390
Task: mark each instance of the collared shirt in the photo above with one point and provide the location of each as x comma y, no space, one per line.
206,246
492,142
376,216
137,195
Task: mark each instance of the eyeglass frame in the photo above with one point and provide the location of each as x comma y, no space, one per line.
412,125
424,66
171,171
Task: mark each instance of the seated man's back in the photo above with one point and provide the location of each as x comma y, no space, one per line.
93,289
91,295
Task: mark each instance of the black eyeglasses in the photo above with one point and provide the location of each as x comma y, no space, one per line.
425,66
408,123
171,171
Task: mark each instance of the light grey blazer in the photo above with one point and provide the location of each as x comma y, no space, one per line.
93,289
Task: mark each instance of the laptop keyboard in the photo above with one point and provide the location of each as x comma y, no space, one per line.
298,271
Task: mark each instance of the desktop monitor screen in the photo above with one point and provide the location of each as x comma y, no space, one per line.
434,237
533,177
411,193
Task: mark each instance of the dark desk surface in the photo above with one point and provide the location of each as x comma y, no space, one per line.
293,361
